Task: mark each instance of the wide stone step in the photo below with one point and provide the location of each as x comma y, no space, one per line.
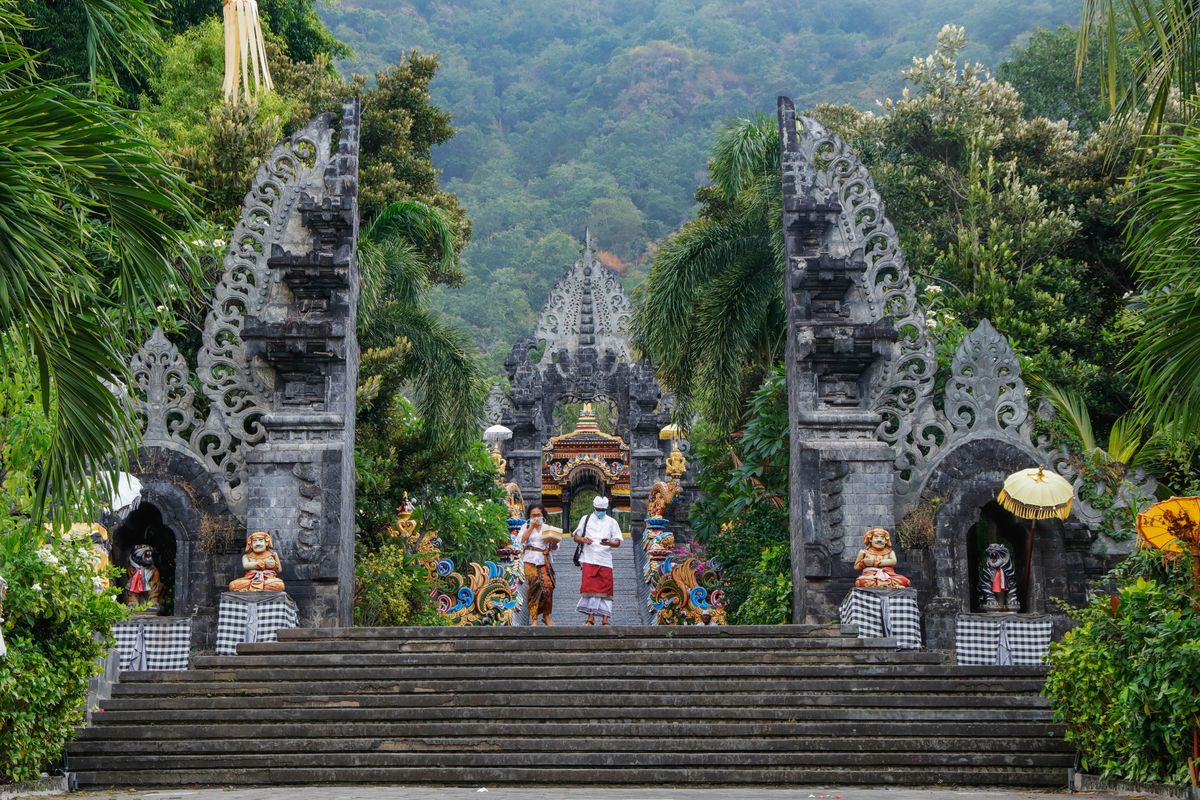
486,700
698,658
512,730
466,743
621,754
617,775
511,634
478,648
699,710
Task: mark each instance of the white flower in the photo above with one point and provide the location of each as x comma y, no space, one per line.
933,288
931,323
97,583
218,242
160,309
198,242
47,555
62,570
37,587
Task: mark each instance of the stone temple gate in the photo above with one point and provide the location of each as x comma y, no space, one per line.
267,443
871,441
585,357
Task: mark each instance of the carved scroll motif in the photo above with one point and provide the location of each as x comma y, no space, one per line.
237,392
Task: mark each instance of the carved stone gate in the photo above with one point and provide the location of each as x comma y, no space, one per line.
870,440
583,336
268,441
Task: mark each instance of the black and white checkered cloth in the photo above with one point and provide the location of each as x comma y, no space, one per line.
1007,639
252,617
884,612
154,643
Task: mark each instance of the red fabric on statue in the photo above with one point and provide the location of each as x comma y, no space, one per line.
998,582
597,581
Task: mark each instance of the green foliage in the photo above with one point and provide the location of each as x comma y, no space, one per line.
1163,249
1014,219
769,598
563,103
1043,73
56,617
392,587
711,316
1124,681
86,254
754,556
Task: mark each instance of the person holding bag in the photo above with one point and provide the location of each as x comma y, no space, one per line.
597,535
538,565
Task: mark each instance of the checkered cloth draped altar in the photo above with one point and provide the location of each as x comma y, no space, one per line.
883,613
154,643
1021,640
252,617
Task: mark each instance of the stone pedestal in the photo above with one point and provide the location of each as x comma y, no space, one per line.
880,613
252,617
148,643
1003,639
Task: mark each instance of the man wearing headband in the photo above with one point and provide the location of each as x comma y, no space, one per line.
599,534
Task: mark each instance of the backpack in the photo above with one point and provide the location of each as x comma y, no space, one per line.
575,559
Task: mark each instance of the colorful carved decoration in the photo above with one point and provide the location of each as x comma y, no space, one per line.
876,560
687,592
487,597
262,566
998,580
676,464
586,449
142,583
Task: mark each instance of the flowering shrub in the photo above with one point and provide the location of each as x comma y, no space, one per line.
57,613
1125,681
393,587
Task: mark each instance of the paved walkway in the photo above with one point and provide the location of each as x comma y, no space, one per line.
628,608
434,793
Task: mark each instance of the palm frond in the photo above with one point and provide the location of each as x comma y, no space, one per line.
1074,411
743,150
85,254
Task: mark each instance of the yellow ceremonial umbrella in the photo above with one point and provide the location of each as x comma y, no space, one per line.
1035,494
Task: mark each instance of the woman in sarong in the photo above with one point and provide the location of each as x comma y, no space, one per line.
537,564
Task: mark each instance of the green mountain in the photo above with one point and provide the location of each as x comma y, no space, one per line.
600,113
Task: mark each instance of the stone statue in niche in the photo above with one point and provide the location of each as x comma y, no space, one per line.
998,580
876,560
262,566
142,582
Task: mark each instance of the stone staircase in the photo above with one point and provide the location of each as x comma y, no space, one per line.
794,705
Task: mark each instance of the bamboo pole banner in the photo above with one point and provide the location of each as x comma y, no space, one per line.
245,54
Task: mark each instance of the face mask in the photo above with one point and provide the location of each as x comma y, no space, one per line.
600,514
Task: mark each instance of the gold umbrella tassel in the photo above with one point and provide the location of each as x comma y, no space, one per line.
1026,511
245,55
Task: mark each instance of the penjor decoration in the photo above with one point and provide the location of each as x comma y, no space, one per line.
245,56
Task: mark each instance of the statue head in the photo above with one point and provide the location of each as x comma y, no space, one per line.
142,555
997,556
258,542
878,538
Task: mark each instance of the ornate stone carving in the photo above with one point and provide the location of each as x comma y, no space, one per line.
238,391
587,308
833,177
163,392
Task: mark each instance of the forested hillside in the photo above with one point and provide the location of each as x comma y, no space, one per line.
576,113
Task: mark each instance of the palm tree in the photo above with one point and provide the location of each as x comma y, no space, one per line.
401,252
711,316
1149,51
86,254
1164,251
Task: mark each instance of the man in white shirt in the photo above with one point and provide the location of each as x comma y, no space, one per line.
599,534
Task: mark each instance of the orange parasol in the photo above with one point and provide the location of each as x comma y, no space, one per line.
1172,525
